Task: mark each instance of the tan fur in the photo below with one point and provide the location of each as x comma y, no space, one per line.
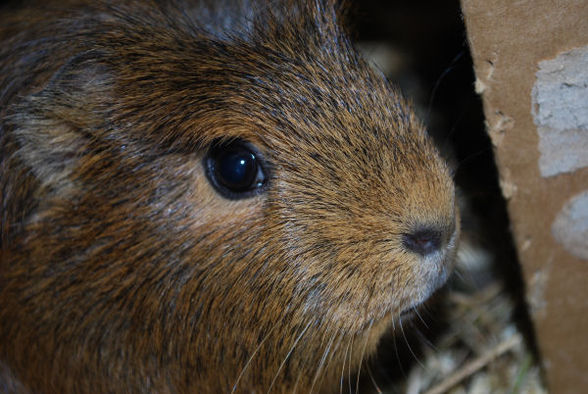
123,270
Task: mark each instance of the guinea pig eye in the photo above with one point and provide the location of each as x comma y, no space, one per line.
235,169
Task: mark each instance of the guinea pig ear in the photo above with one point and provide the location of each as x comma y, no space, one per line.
54,127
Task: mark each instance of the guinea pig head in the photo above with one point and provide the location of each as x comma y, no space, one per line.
354,221
220,213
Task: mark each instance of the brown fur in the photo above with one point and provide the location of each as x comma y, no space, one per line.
122,270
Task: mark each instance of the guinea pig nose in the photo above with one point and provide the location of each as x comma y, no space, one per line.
423,241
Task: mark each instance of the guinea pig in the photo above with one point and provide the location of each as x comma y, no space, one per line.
206,197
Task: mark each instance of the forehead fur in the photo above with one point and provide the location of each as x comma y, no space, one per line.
292,72
176,80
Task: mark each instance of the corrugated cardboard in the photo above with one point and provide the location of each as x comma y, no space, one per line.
528,58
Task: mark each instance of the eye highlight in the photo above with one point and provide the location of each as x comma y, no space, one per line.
235,169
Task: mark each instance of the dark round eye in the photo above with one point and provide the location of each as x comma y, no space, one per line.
235,169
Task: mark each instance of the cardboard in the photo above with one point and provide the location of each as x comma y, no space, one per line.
531,63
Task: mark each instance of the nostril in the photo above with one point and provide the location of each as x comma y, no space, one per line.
423,242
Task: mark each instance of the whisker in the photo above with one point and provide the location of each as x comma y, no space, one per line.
322,362
459,275
343,368
447,138
408,345
369,369
438,83
341,336
297,381
251,358
469,157
367,336
287,356
396,348
426,340
349,366
416,311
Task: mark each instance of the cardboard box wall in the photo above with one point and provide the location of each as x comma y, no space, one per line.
531,64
